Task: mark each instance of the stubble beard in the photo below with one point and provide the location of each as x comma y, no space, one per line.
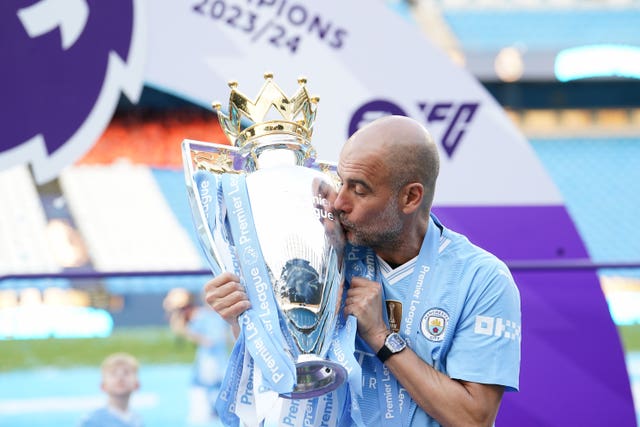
384,233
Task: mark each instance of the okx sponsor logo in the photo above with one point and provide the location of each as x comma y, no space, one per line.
448,121
65,64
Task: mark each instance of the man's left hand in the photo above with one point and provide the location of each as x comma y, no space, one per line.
364,301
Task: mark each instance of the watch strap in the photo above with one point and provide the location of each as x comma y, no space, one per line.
384,353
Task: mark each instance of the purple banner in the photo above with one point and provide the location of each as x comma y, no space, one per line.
62,76
573,370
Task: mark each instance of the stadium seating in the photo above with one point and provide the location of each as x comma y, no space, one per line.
598,179
551,29
125,220
23,227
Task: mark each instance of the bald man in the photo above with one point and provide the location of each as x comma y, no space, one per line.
455,345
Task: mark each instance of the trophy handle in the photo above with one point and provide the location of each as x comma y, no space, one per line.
203,164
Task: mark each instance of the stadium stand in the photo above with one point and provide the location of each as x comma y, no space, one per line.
23,226
487,30
125,220
533,4
598,178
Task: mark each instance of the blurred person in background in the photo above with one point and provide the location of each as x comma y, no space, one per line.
200,325
119,381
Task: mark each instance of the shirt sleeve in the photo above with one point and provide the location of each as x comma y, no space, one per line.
486,345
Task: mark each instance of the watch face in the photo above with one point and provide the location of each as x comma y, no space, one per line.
395,343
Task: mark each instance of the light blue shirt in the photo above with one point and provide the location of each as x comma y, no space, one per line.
105,417
211,358
469,328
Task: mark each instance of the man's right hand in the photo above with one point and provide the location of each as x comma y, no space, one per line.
227,297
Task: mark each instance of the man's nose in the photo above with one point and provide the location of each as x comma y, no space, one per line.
341,204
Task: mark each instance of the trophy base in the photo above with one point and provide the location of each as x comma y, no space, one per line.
316,377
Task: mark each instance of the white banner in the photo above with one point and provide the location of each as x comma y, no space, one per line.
362,59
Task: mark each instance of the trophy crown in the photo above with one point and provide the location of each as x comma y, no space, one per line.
298,113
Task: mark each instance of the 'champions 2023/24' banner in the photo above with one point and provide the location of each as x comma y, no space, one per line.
66,63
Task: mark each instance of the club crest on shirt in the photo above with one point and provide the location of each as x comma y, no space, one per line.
434,323
394,311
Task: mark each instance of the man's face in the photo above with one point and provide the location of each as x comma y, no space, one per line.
367,204
120,380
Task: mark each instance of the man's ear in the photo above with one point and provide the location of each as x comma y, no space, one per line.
411,197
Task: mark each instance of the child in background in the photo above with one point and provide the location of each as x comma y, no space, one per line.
119,381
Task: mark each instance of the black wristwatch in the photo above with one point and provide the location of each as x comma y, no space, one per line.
393,344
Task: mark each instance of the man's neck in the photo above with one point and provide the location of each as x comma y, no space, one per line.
392,265
406,247
119,403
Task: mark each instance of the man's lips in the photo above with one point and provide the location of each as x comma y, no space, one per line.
346,228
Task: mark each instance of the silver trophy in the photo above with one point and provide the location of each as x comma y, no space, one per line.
291,208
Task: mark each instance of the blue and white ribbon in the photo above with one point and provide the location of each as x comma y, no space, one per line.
261,323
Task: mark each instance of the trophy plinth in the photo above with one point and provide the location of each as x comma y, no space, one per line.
285,206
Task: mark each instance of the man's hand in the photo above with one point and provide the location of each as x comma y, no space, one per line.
227,297
364,301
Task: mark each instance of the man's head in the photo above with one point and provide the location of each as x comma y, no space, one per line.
120,375
389,170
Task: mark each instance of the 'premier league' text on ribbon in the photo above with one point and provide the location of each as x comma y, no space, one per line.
246,244
388,394
250,254
252,336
